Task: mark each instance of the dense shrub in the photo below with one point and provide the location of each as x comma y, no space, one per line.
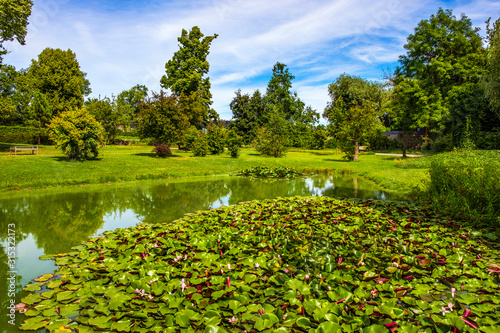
318,139
200,145
233,143
189,137
78,133
488,140
443,143
22,134
216,137
466,185
381,141
162,150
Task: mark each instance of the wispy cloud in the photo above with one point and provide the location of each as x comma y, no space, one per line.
123,43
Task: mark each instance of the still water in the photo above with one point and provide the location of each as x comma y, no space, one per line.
53,222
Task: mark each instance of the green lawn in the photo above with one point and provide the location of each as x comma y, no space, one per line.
128,163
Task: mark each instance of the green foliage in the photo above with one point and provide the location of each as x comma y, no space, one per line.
20,134
271,140
465,184
444,52
40,113
78,133
311,264
492,77
9,111
489,140
162,119
378,140
267,172
189,137
442,143
278,94
233,143
318,139
248,114
132,98
57,75
353,111
185,74
13,22
216,137
200,145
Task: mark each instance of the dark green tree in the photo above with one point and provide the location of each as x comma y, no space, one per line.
492,78
132,97
104,111
186,71
162,119
13,22
40,113
234,142
279,94
442,53
57,75
8,96
216,137
271,140
248,114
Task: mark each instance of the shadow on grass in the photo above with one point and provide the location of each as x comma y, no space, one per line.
153,155
65,159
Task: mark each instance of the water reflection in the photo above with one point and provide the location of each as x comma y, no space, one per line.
53,223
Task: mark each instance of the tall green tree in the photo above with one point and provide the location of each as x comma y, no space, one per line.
186,74
279,94
162,119
57,75
105,112
353,111
133,97
8,94
40,113
14,16
271,140
442,53
248,114
492,78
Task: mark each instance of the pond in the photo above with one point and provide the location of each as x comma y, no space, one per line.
51,222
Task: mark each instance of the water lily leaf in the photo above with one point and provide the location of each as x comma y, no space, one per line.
375,329
303,322
328,327
31,298
182,320
121,326
214,329
32,287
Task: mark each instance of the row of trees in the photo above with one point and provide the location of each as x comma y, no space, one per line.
447,84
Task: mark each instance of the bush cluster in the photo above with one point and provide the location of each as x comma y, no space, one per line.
466,185
21,134
162,150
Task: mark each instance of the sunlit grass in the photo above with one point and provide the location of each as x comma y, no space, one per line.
128,163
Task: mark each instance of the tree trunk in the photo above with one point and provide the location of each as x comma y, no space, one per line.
404,150
356,152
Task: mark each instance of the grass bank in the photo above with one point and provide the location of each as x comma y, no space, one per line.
130,163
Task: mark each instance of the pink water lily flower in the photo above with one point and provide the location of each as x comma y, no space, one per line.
233,320
150,297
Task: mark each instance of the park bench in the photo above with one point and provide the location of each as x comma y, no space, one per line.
15,149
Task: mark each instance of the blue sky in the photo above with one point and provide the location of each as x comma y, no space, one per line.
123,43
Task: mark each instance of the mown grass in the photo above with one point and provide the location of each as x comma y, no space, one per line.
129,163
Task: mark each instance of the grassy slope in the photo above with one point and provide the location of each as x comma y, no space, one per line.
121,163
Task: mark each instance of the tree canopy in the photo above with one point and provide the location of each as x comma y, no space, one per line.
442,53
13,22
492,78
186,71
57,75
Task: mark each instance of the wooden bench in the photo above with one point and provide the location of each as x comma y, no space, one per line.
15,149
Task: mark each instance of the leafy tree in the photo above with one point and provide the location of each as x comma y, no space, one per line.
271,140
492,78
185,75
319,138
353,111
216,137
248,114
234,142
442,53
278,93
162,119
200,145
40,113
13,22
189,136
8,96
57,75
78,133
132,97
104,111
